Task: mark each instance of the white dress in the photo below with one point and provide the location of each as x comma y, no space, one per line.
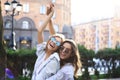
44,69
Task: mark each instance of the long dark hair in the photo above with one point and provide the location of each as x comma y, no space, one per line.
74,59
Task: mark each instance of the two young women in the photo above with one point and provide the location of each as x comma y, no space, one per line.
58,59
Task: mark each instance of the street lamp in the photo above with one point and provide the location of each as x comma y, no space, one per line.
12,9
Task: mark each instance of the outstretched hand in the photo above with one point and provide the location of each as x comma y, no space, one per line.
50,8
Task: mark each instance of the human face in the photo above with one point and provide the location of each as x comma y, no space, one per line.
65,51
54,43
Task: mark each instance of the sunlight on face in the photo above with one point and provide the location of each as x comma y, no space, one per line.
53,43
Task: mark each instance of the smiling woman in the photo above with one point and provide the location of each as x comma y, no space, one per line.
47,63
53,39
69,61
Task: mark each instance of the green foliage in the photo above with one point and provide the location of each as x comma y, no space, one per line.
85,75
97,74
116,73
106,54
21,52
85,52
22,78
16,60
10,79
86,56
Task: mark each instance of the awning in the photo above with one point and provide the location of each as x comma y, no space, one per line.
25,38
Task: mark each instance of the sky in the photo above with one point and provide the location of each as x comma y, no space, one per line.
89,10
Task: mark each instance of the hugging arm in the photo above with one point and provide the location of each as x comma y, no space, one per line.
58,76
65,73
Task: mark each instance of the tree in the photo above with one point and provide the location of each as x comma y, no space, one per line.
86,58
110,56
2,50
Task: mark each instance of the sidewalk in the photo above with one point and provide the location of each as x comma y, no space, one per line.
111,79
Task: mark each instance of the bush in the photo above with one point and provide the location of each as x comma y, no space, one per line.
97,73
22,78
85,75
116,73
17,60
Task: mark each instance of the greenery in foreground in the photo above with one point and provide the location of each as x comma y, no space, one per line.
16,61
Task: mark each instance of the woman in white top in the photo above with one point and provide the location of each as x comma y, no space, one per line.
47,63
70,61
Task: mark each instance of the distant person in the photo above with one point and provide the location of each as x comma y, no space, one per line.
9,73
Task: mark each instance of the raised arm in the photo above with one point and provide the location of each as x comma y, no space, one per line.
43,26
51,29
50,8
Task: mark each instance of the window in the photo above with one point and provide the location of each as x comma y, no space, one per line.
26,7
56,27
25,25
54,15
64,16
25,42
8,24
118,24
7,40
42,9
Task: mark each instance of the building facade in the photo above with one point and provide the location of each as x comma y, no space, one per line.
31,17
100,34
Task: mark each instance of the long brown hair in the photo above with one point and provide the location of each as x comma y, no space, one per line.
74,59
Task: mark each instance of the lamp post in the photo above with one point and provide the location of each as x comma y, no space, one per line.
12,9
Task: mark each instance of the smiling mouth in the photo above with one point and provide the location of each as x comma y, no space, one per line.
51,45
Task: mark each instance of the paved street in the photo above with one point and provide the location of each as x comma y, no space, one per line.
110,79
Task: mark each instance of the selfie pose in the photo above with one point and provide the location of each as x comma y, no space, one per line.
69,61
48,61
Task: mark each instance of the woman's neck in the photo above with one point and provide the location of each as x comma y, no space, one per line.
48,53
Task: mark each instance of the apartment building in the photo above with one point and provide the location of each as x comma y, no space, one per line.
31,17
99,34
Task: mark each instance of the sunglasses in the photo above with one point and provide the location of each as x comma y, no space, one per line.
65,50
55,41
